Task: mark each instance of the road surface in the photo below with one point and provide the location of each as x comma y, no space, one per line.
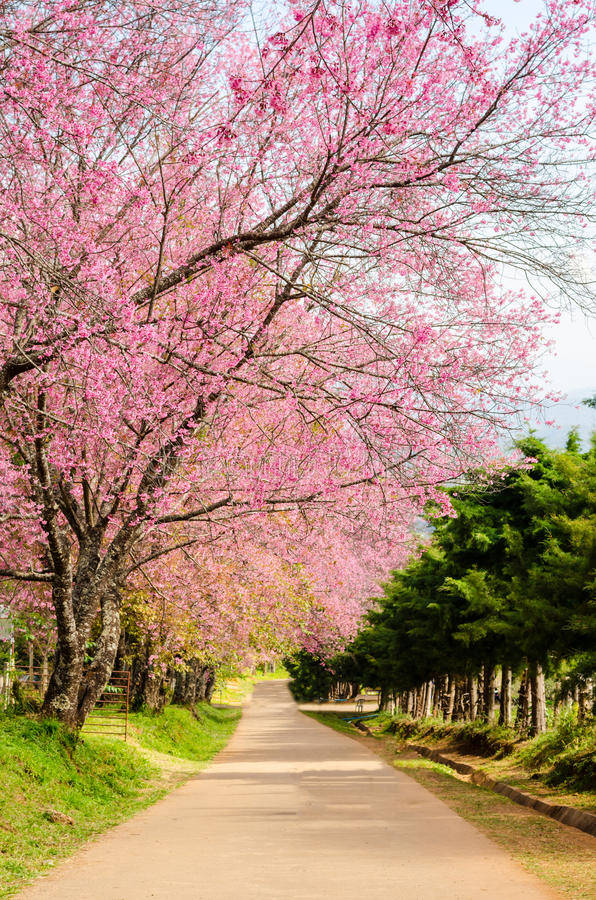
291,810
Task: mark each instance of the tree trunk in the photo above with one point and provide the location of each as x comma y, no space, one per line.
192,686
522,719
74,688
584,700
61,697
450,699
210,685
458,704
473,697
436,698
558,703
153,696
202,680
96,677
419,701
422,700
505,700
179,687
538,699
428,699
480,707
488,685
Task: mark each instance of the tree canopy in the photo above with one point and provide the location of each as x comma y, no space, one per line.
251,310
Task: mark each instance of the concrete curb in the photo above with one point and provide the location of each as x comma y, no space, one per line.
567,815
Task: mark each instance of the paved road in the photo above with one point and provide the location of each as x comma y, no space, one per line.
292,811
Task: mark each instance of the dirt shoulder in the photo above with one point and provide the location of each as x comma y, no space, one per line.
507,770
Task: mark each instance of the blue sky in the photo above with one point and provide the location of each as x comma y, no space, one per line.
572,362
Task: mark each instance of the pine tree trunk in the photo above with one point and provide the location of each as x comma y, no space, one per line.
450,699
419,701
538,699
436,698
473,697
505,701
557,703
584,705
522,719
488,683
459,711
422,700
428,699
480,709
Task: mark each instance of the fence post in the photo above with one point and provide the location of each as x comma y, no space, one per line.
6,686
126,709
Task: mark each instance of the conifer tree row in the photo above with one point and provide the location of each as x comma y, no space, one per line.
496,618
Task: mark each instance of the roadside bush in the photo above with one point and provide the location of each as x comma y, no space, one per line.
570,753
484,739
310,677
479,738
575,770
544,749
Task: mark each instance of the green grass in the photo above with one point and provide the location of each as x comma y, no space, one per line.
479,738
98,782
177,732
333,720
564,757
236,688
280,672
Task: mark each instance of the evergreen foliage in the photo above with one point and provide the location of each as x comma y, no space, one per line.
507,585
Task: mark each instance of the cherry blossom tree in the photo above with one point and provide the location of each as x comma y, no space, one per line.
192,612
250,282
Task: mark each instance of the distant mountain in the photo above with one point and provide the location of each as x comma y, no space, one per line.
567,414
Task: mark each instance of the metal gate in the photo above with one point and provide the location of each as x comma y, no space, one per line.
109,715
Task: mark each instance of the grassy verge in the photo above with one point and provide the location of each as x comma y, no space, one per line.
236,689
279,672
177,732
332,720
559,766
562,857
55,795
